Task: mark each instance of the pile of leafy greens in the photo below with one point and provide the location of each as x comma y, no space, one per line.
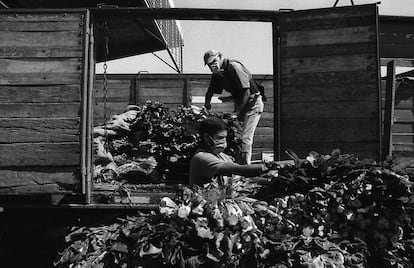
324,211
152,143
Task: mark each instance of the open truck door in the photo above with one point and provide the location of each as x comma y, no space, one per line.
328,81
43,101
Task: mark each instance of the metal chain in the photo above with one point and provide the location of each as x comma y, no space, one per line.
105,86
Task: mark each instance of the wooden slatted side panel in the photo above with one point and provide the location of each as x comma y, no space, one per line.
127,89
118,90
403,126
329,82
41,72
165,90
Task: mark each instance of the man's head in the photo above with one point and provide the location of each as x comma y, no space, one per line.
213,132
214,60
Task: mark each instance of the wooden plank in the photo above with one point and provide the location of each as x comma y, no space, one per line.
264,131
199,88
40,154
161,99
266,120
403,127
40,78
165,83
37,17
326,14
349,35
403,147
63,177
324,78
41,52
112,99
43,94
333,23
41,65
339,63
329,92
32,189
44,110
15,130
361,109
327,50
389,110
268,85
164,92
329,130
40,39
398,138
114,87
43,26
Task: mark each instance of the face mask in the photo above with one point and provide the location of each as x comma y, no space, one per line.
214,66
217,146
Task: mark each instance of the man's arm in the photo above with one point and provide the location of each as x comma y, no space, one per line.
207,100
231,168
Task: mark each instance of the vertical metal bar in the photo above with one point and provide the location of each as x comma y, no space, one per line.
84,114
389,110
89,154
276,87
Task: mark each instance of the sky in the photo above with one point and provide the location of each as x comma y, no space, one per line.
248,42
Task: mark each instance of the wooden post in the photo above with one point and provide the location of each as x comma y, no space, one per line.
89,133
137,90
389,110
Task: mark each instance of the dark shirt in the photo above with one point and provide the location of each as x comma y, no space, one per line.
234,78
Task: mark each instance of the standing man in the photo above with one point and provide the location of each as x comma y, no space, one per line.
232,76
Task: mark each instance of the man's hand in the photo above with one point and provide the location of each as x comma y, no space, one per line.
271,165
207,106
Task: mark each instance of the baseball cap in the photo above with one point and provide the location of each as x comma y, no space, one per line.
209,55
